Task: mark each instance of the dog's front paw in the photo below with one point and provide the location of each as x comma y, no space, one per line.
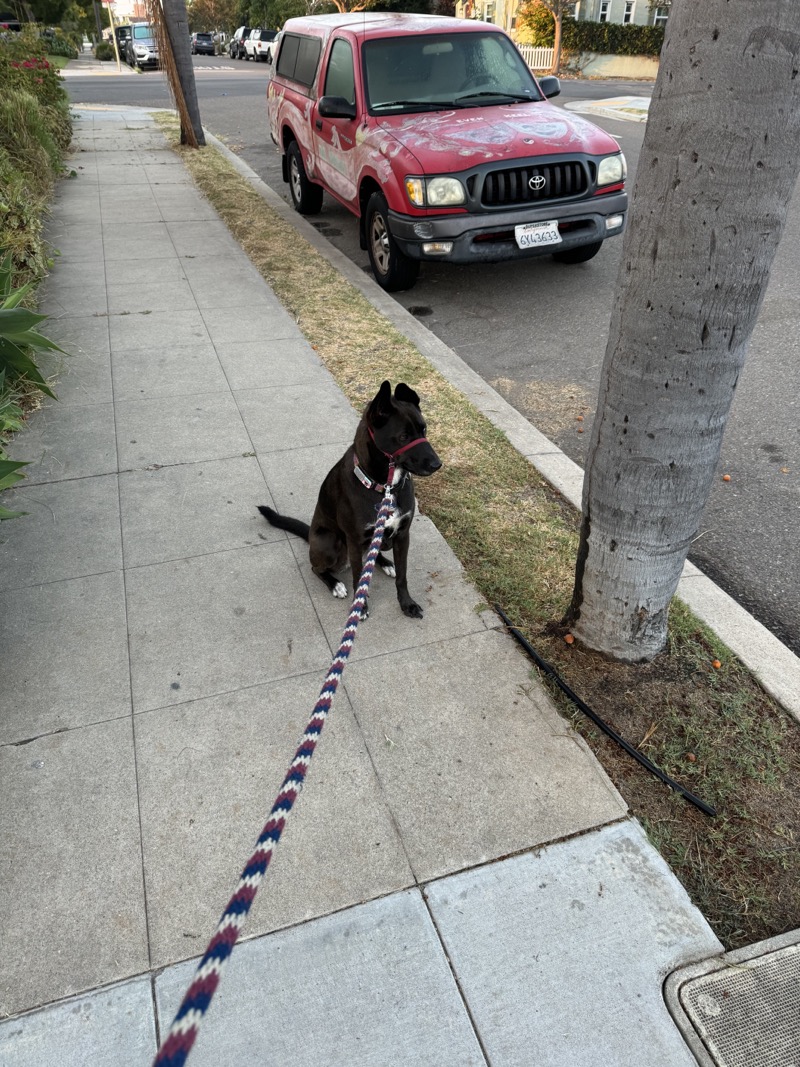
339,590
412,609
389,570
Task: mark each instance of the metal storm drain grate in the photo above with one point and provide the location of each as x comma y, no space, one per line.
741,1009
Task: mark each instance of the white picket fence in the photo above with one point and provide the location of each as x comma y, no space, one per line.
537,58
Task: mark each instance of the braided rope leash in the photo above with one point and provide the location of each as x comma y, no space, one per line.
186,1024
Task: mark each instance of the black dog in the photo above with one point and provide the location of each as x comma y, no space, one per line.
391,434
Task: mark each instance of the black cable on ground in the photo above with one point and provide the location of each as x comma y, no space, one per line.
608,730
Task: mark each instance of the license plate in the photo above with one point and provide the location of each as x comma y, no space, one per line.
533,234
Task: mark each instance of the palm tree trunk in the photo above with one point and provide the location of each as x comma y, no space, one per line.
178,65
719,162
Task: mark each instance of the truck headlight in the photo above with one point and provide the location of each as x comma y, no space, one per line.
612,169
435,192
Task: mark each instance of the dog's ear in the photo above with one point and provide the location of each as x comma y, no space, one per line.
404,392
380,407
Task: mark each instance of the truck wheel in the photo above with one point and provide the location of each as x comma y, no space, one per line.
393,270
306,196
578,255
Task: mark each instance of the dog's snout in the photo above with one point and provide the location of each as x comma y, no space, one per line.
432,464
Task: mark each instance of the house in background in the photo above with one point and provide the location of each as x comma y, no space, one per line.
503,13
129,11
626,12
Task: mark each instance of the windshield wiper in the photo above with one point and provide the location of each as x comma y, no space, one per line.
517,97
425,105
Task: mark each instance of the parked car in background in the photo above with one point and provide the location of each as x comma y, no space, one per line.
262,43
236,46
250,45
272,49
141,49
123,36
202,44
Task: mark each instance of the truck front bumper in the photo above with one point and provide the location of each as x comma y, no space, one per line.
490,237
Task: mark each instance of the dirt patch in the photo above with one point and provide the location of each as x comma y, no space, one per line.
555,408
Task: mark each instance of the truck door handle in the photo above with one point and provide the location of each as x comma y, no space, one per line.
318,124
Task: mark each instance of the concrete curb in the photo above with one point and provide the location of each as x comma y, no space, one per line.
775,667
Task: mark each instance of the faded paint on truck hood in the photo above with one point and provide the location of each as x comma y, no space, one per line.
458,139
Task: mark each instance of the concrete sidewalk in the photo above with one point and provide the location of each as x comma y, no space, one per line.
461,883
87,64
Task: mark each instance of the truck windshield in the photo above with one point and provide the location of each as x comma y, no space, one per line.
143,33
425,73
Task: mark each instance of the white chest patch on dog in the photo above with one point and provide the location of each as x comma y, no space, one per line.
395,519
393,522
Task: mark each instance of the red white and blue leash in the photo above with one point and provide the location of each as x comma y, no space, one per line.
184,1029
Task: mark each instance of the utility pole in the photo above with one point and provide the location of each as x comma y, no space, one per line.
114,38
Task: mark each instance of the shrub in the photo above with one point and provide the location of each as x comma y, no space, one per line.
35,131
26,136
21,211
19,375
611,38
57,44
104,51
535,25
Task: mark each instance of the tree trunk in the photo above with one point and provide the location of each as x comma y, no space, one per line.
176,23
719,162
557,43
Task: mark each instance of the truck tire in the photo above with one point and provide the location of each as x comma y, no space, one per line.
306,196
393,269
578,255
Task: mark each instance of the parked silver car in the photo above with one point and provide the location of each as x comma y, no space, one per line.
141,50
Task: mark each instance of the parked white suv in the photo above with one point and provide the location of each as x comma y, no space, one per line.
257,44
273,47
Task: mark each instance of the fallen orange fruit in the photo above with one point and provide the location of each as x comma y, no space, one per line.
569,639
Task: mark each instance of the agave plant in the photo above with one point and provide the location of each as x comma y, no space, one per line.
18,339
18,333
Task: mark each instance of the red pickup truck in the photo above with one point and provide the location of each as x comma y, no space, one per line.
438,138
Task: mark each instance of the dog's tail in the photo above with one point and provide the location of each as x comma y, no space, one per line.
283,522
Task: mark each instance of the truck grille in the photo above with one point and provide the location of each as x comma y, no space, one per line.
516,185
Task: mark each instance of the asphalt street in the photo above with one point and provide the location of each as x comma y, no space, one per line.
537,332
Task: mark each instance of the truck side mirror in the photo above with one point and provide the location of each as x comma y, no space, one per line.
336,107
550,86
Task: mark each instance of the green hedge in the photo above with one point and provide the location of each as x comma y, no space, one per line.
57,44
35,132
104,51
611,38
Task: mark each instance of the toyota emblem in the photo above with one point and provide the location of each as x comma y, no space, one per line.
536,183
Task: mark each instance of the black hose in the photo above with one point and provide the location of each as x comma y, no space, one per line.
608,730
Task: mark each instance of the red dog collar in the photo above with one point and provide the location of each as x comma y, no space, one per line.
393,455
